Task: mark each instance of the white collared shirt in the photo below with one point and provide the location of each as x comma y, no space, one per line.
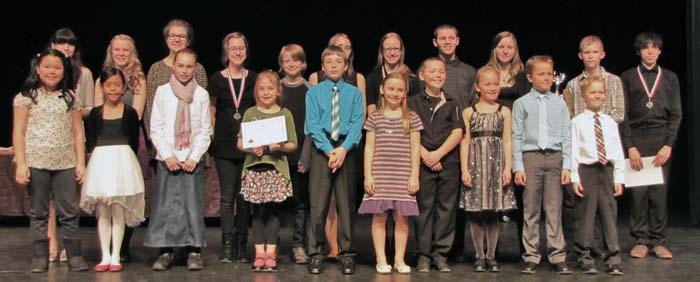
584,148
163,124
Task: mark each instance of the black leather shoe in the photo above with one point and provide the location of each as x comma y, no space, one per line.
480,265
492,265
315,266
77,263
441,264
588,269
125,256
528,268
423,264
615,270
561,268
40,264
347,265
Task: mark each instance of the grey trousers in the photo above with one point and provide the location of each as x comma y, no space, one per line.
322,184
543,171
648,208
597,181
61,183
437,203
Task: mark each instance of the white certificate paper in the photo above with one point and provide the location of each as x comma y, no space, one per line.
263,132
648,175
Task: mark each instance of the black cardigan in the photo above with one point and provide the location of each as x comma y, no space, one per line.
130,127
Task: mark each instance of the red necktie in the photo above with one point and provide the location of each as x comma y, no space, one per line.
599,141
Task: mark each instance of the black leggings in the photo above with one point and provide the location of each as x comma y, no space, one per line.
266,223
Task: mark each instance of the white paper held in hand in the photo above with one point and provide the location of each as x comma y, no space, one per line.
648,175
263,132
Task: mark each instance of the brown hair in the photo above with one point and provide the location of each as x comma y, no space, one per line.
406,120
296,52
182,23
516,64
537,59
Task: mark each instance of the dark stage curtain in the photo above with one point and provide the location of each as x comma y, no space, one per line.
693,109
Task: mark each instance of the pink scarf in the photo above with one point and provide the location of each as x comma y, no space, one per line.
183,127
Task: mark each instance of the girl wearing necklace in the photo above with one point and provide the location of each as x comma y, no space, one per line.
390,59
231,92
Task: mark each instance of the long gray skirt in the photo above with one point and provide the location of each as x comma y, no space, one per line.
177,209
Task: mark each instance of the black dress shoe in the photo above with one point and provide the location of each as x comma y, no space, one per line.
125,256
561,268
588,269
480,265
615,270
40,264
441,264
347,265
528,268
492,265
315,266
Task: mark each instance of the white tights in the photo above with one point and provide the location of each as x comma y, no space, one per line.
110,227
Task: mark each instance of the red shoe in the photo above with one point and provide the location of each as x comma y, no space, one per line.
270,262
259,262
115,267
102,267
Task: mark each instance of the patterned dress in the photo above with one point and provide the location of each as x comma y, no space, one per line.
391,167
486,165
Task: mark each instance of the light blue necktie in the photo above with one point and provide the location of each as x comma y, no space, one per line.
542,123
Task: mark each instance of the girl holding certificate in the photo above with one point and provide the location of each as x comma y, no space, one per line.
265,179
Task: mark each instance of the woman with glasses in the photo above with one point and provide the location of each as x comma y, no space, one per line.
231,93
389,59
178,35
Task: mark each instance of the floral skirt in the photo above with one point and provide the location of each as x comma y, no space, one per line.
265,186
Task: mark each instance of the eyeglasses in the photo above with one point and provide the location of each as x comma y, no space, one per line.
345,47
241,49
393,49
178,36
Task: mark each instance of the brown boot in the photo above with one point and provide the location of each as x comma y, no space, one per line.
662,252
40,263
76,262
639,251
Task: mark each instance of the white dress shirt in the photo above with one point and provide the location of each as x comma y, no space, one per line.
584,148
163,124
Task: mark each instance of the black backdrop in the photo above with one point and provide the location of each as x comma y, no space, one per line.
542,27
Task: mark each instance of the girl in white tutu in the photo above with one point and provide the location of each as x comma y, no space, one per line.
114,183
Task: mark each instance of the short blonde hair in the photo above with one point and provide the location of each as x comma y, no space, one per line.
537,59
273,77
586,83
588,40
333,50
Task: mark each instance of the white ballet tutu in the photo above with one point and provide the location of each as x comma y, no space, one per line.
114,177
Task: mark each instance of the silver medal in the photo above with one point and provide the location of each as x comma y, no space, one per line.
650,104
237,116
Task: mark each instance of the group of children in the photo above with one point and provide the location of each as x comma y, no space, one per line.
425,155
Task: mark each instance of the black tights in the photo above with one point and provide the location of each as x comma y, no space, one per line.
266,223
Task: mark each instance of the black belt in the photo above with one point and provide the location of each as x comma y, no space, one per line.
486,133
597,164
543,151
